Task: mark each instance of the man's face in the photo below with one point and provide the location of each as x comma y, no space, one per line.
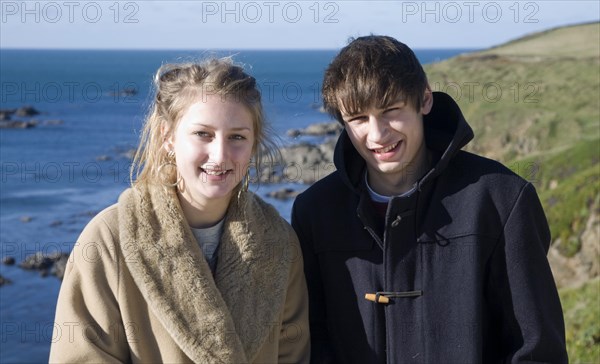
391,141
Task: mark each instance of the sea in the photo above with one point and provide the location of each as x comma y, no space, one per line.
92,103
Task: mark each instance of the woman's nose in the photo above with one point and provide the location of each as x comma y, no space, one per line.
218,151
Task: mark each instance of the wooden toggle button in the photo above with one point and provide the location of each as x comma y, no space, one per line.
377,298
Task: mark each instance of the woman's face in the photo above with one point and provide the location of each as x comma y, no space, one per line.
213,143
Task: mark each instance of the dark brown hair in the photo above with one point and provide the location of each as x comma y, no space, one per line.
373,71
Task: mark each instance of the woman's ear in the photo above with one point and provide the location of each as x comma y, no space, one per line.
427,101
167,138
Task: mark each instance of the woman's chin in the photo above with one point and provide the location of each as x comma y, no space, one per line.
216,192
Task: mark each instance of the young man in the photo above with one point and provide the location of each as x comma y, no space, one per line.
416,251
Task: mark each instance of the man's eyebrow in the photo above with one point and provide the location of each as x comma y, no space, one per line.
352,116
399,102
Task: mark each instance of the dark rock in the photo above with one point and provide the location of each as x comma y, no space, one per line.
58,269
26,111
8,260
55,256
37,261
294,133
319,129
270,174
327,148
301,163
330,128
17,124
283,194
129,154
56,223
53,263
302,154
128,91
305,162
4,281
5,114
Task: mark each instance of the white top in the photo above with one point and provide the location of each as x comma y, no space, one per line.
381,198
208,239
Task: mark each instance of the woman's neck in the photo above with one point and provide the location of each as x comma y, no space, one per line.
203,213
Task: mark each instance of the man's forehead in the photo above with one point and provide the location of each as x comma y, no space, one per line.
375,105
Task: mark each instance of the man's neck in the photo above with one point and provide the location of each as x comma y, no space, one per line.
394,185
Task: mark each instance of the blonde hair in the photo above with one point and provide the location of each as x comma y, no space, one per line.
177,87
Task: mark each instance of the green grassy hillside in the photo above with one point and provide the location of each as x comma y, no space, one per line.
525,103
568,182
580,41
534,104
582,315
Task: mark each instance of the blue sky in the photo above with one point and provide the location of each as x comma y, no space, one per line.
270,24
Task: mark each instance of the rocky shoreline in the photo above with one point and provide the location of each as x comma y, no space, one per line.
303,162
27,112
46,264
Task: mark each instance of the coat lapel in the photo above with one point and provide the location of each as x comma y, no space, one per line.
253,269
221,320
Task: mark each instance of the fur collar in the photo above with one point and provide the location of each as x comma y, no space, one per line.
225,319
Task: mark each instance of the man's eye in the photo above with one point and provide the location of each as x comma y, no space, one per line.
357,119
392,109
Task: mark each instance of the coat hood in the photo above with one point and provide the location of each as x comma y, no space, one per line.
446,132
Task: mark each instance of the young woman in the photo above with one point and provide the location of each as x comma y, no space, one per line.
189,266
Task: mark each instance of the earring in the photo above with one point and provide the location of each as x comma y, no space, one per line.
245,184
170,162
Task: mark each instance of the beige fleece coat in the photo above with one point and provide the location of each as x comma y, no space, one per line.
138,289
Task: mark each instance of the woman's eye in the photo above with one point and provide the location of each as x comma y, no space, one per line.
202,134
238,137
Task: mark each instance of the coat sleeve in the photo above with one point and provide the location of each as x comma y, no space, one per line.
88,326
294,339
521,289
321,351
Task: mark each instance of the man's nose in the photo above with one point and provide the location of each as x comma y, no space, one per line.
377,129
